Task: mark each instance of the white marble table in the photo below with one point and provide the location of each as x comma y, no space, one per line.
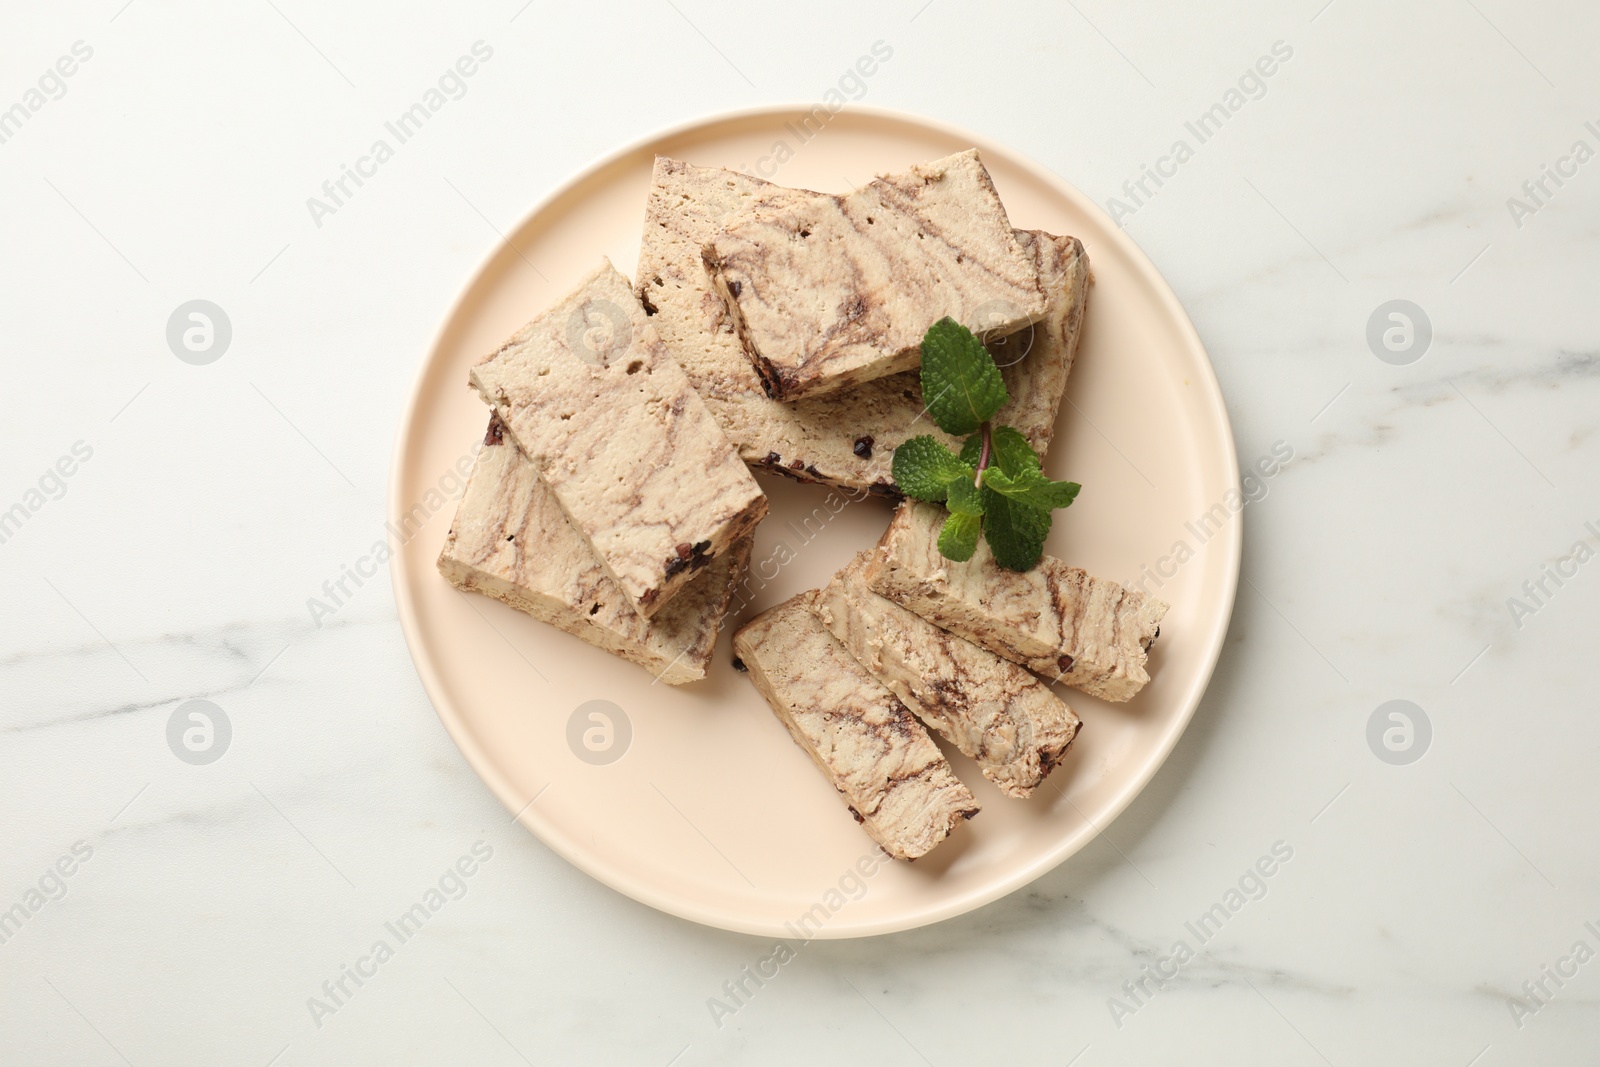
1398,556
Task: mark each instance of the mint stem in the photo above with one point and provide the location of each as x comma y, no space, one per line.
983,454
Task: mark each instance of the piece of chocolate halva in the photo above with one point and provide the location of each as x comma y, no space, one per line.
592,395
829,291
1055,619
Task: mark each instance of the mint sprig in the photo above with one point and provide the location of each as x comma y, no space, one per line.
996,487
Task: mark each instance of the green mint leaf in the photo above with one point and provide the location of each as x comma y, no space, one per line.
964,498
960,382
1015,531
958,539
1009,451
923,468
1032,488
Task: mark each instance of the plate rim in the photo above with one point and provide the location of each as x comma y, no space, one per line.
685,907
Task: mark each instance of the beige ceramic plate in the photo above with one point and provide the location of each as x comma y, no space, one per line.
710,811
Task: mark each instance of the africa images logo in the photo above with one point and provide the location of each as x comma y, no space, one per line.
199,332
599,732
199,732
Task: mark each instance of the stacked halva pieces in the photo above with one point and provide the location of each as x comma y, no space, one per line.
845,438
510,540
993,711
605,501
902,634
894,779
622,439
